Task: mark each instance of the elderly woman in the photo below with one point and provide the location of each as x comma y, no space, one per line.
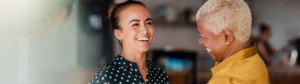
224,27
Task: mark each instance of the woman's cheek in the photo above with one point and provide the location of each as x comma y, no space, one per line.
151,30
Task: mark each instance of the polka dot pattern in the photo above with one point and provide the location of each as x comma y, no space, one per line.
122,71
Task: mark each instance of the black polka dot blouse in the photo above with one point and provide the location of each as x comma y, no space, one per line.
122,71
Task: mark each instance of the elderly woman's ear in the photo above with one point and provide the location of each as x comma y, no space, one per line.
228,36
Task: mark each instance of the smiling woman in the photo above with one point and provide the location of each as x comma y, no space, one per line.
224,28
132,26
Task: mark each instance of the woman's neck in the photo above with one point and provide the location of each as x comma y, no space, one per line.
236,47
135,56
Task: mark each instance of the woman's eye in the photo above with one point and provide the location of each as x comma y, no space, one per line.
149,23
135,25
201,37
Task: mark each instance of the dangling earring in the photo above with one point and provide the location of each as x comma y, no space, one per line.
120,41
226,43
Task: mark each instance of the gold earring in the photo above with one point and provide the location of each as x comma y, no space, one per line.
226,43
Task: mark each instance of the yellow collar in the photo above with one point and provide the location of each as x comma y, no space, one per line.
242,54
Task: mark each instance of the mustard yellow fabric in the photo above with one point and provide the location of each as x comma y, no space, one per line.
243,67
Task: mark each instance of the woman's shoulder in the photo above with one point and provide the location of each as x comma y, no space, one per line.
162,72
104,75
156,70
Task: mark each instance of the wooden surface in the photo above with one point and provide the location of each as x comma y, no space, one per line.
280,75
178,77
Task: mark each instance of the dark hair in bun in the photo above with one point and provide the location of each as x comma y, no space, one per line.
115,9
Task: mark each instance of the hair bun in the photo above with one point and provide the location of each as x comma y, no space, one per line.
111,8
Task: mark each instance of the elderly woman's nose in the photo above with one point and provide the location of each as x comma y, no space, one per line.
200,41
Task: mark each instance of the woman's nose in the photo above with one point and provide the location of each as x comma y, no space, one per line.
144,30
200,41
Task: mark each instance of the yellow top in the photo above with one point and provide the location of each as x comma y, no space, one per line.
243,67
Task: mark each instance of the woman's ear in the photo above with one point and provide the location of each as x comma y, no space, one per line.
118,34
228,34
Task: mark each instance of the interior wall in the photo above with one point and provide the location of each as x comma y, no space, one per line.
39,44
282,15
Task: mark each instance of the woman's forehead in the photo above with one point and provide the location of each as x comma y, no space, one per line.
202,29
134,12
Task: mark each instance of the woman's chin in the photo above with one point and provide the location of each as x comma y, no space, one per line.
143,49
214,58
143,43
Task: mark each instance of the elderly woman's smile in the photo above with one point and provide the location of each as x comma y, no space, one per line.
215,44
224,28
208,50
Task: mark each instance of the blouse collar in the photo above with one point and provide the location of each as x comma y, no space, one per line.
240,55
122,63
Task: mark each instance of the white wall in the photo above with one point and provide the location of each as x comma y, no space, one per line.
178,37
39,43
282,15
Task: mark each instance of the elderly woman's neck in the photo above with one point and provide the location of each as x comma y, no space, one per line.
235,47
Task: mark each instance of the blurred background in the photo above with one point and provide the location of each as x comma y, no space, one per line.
68,41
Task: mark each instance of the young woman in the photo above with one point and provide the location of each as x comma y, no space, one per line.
132,25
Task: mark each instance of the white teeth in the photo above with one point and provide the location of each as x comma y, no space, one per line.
143,39
208,50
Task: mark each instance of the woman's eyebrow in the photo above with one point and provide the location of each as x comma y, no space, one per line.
134,20
148,19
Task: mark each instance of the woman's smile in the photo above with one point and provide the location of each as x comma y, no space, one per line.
144,41
208,50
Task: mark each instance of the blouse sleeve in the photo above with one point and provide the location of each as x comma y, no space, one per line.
99,78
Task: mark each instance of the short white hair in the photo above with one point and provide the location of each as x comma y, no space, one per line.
235,15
